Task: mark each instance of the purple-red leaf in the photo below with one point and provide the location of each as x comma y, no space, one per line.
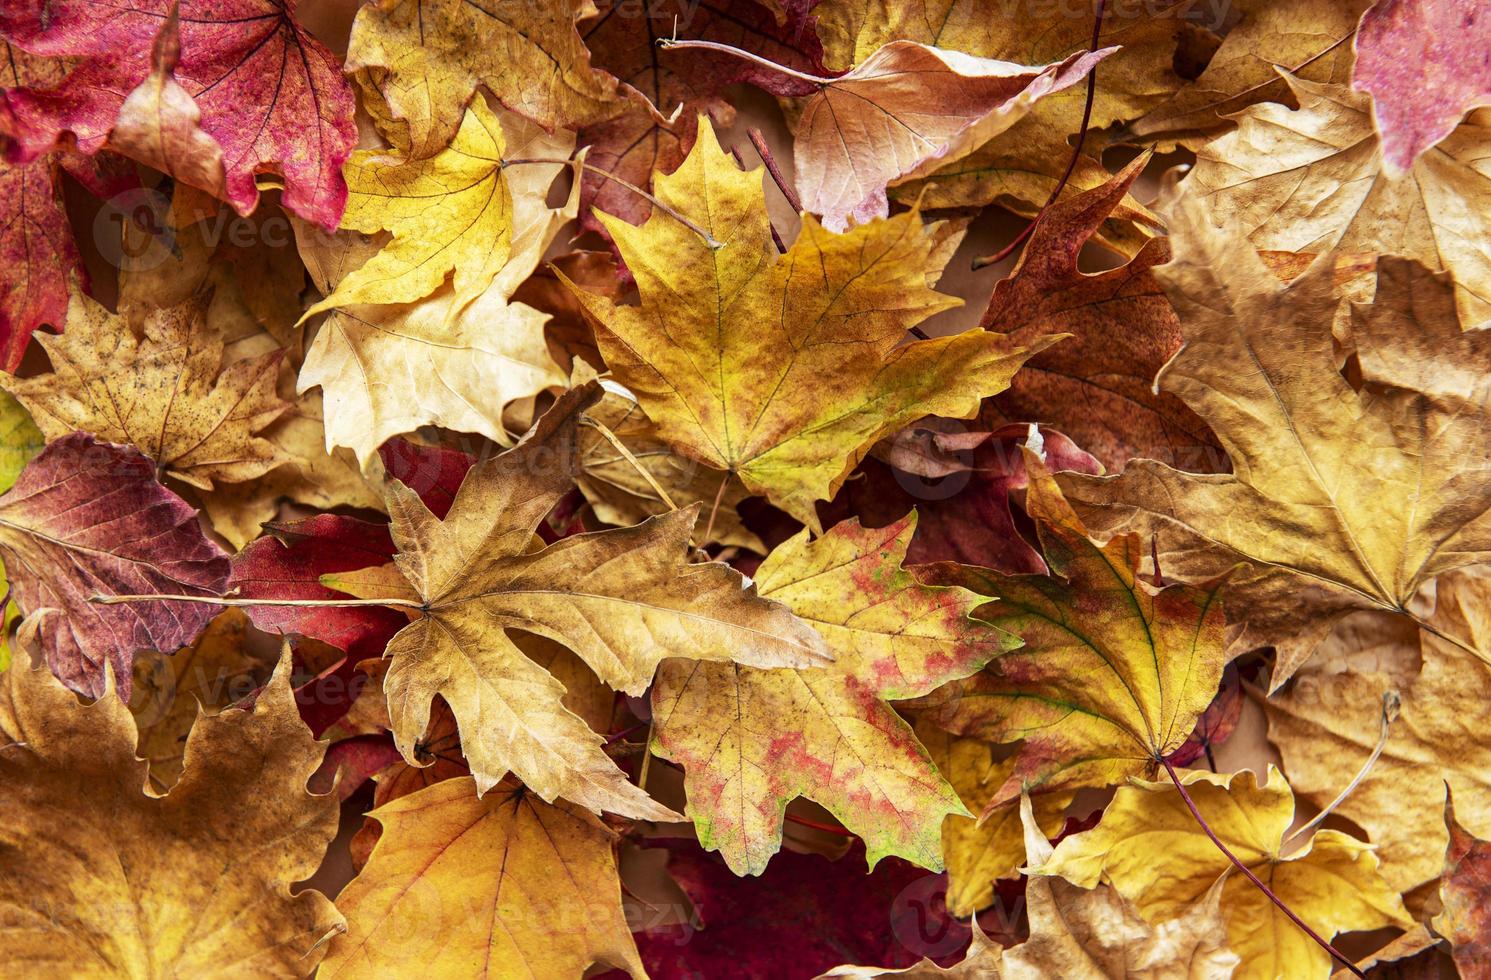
89,518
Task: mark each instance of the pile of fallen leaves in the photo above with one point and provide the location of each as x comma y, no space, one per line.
475,505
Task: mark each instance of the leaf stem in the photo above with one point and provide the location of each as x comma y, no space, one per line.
588,168
718,496
1071,165
217,600
816,825
1248,873
611,437
764,152
1390,705
668,43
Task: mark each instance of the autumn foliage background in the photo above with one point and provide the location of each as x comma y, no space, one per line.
791,488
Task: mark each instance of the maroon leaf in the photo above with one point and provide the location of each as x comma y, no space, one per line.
88,518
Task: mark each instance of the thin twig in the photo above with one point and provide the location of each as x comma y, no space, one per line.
1390,706
666,209
646,759
216,600
764,152
1071,165
657,488
667,43
776,236
718,496
1248,873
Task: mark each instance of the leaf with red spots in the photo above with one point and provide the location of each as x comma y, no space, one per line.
752,740
1113,674
88,517
1463,892
269,93
1425,63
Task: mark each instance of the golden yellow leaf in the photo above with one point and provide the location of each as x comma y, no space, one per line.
622,600
20,440
752,740
100,878
449,359
783,370
1342,499
171,394
427,57
980,852
450,215
1152,851
1113,673
1327,723
1312,179
499,886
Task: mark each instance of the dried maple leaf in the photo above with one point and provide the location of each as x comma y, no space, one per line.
101,877
1328,722
426,58
1112,674
1310,38
622,600
789,410
1096,385
1151,850
1312,179
752,740
269,93
1091,933
482,887
457,357
169,394
1319,502
905,111
1462,893
87,517
1421,61
171,692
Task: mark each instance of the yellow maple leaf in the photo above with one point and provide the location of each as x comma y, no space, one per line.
497,886
622,599
1153,852
782,370
1113,673
103,878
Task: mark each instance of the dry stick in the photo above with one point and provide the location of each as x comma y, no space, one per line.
1248,873
718,496
667,43
764,151
218,600
776,237
657,488
1071,165
669,211
1390,705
